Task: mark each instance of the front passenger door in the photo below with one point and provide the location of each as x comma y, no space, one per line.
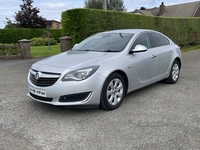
143,64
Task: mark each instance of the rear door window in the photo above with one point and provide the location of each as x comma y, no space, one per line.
166,41
158,40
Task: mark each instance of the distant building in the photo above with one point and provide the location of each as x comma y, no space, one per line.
180,10
54,24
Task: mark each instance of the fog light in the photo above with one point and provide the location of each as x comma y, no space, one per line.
75,97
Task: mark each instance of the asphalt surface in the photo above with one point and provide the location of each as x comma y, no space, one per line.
158,117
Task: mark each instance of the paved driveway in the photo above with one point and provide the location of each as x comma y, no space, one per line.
160,116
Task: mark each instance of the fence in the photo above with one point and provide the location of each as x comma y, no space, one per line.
23,49
10,52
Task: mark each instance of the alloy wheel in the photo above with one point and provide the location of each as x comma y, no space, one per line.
175,71
115,91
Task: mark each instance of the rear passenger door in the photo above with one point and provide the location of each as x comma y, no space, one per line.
164,52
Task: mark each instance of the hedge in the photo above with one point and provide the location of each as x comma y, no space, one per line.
12,35
81,23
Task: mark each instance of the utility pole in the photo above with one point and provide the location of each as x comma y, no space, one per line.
104,4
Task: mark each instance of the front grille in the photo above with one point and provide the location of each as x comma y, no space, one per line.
46,99
45,79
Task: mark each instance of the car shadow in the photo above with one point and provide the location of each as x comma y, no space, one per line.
140,92
47,108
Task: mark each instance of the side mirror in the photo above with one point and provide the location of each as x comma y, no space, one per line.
139,48
75,45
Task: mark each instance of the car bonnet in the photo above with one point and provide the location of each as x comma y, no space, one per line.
73,60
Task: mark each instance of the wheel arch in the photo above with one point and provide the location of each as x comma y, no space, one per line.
179,61
104,103
123,74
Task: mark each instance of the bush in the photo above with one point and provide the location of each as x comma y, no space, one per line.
51,40
46,34
13,35
42,41
56,33
38,42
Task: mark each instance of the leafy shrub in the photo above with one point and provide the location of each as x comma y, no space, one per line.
5,44
13,35
56,34
39,41
45,34
51,40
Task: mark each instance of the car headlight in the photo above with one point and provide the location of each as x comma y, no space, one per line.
80,74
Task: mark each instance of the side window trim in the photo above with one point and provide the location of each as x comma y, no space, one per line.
152,41
152,44
167,42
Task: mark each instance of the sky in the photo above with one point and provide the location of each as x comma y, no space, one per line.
52,9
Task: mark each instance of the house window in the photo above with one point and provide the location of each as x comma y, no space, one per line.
57,25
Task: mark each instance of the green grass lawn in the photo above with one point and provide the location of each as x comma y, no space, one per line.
43,51
191,48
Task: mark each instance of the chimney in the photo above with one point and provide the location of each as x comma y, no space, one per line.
162,9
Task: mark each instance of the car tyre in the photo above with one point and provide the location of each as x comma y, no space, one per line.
113,92
174,73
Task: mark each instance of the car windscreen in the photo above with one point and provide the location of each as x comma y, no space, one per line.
104,42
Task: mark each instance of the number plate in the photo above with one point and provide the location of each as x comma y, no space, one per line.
37,92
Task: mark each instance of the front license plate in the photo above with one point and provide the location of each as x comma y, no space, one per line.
37,92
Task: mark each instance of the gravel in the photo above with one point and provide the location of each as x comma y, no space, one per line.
160,116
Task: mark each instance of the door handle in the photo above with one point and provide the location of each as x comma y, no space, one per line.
153,56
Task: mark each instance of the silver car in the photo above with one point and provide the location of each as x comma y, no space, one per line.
103,68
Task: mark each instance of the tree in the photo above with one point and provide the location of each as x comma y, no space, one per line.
28,16
96,4
10,24
117,5
104,4
142,8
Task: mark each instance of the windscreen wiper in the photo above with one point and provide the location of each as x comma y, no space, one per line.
110,51
81,50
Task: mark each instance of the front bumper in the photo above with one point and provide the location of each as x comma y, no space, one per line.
70,93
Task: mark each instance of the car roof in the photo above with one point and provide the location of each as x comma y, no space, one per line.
133,31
